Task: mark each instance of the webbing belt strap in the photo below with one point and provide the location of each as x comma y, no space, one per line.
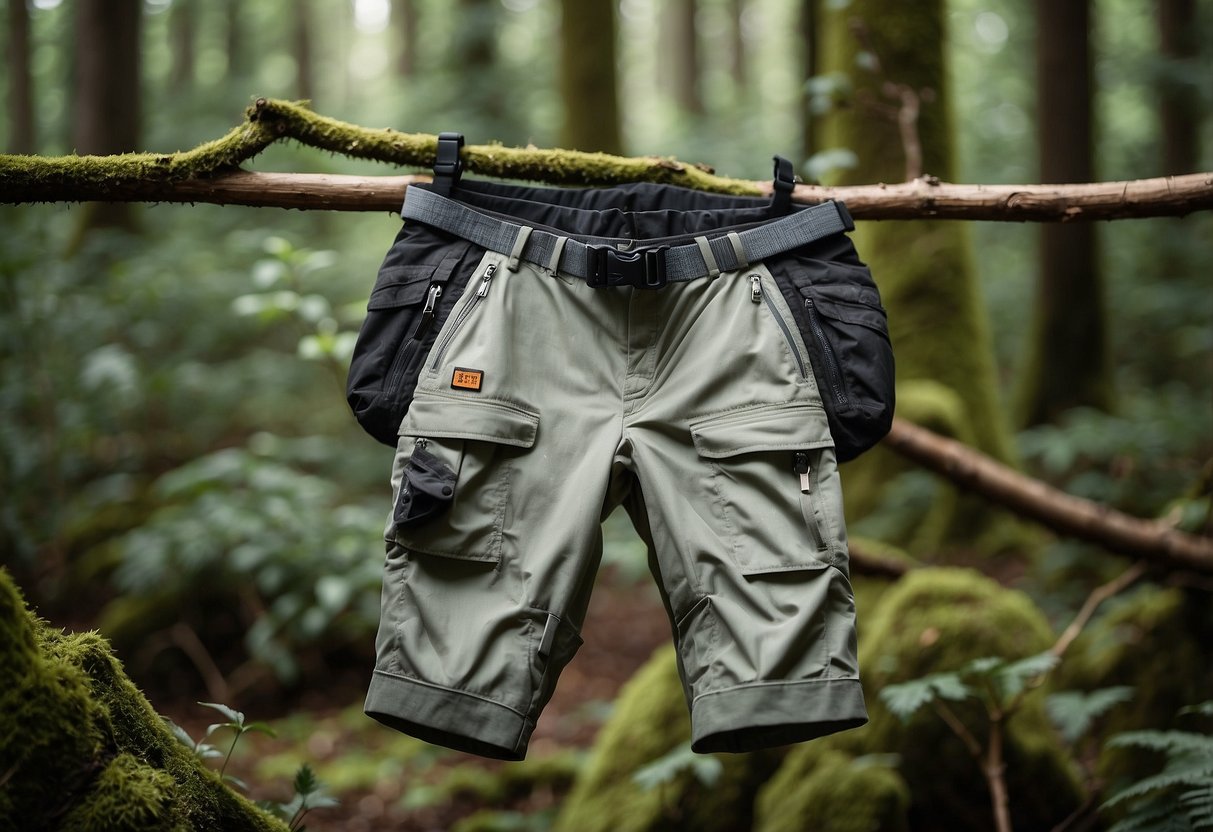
606,265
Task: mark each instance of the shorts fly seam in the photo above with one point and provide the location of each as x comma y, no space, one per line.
404,677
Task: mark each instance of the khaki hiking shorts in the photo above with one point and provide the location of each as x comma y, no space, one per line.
618,346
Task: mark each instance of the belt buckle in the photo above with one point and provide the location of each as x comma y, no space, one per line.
642,269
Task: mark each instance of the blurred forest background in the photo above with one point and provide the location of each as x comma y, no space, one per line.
179,470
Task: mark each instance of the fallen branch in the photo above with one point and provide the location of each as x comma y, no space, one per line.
210,173
1064,513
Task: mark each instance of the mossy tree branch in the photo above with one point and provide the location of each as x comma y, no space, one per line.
210,173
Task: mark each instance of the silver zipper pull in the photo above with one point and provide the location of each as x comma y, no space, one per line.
484,281
801,466
755,288
431,300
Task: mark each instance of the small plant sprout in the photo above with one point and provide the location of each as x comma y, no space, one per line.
235,721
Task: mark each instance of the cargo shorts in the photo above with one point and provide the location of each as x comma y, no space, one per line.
614,347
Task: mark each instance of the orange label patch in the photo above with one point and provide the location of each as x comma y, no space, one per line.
465,379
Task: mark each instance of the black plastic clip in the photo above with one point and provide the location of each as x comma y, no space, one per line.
448,167
783,183
643,268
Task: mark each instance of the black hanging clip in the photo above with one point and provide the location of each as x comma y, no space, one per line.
783,183
448,167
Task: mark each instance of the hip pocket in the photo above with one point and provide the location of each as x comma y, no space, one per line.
776,479
452,491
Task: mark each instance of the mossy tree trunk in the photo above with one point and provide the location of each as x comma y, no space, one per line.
737,50
925,270
183,29
1067,363
809,28
587,76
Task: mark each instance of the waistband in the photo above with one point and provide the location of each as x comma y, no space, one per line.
734,232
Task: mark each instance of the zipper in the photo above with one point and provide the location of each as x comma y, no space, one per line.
404,355
831,361
464,312
758,293
800,465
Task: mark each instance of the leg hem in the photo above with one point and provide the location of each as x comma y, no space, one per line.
767,714
447,717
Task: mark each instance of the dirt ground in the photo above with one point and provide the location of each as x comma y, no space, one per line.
625,624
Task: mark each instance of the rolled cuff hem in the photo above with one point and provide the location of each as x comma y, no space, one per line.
446,717
767,714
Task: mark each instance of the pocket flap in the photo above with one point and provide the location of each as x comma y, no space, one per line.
483,419
783,427
401,286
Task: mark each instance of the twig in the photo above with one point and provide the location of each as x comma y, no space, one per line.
1097,597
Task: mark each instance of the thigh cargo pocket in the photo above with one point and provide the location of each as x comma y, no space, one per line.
776,478
453,495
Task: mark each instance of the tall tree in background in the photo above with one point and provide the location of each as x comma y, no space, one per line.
404,18
587,76
20,81
680,55
237,61
899,124
301,42
1067,362
1179,94
737,50
183,36
106,90
809,22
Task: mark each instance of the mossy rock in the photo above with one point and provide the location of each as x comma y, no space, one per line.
81,747
1155,641
936,620
825,790
650,720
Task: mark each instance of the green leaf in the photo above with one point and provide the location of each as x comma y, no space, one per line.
1073,712
234,716
259,728
180,733
1203,709
305,780
236,781
906,698
1014,677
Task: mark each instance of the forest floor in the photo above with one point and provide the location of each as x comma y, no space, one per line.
385,780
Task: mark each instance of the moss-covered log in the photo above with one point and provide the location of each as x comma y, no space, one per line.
82,749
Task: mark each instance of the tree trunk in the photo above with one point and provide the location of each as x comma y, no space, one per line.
587,76
301,37
107,98
925,271
182,30
20,82
1178,101
810,50
237,65
737,50
404,16
680,51
1067,363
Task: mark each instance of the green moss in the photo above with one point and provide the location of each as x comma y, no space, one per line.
127,795
827,791
939,619
34,178
650,719
78,741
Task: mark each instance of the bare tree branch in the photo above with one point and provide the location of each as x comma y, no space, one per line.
1064,513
